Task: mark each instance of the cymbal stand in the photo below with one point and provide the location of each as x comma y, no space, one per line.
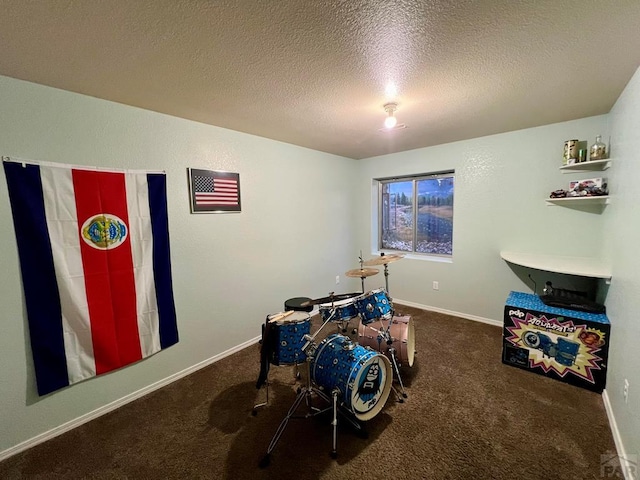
361,267
362,283
386,276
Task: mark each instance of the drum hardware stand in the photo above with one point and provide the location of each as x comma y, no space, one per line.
334,423
296,375
361,267
254,412
305,394
386,336
386,276
392,352
362,283
296,372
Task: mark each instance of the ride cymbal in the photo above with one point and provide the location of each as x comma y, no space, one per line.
383,259
362,272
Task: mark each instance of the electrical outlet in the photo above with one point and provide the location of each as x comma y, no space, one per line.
436,286
625,390
337,279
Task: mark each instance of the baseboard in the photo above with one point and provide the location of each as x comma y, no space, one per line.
87,417
627,468
490,321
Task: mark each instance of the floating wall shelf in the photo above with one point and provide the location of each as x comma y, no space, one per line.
600,200
590,166
580,266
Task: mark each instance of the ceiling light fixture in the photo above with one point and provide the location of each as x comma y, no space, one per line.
391,120
391,91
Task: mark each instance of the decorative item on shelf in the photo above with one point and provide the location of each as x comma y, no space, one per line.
598,150
558,194
582,155
570,152
589,187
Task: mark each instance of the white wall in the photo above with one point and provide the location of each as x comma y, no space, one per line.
501,183
229,270
622,238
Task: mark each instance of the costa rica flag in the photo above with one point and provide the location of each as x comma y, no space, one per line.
96,269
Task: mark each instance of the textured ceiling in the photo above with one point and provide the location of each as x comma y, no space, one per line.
314,73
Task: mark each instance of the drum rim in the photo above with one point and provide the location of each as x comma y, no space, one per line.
376,290
340,303
411,342
289,318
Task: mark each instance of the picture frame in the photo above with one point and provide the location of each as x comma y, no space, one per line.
214,191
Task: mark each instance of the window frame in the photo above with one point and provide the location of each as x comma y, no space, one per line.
379,213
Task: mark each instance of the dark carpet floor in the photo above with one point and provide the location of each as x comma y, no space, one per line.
467,416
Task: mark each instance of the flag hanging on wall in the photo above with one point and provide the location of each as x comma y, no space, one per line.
96,271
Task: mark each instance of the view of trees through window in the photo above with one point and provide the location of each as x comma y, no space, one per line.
417,214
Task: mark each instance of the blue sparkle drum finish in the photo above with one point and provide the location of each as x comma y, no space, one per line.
341,311
362,376
288,335
374,305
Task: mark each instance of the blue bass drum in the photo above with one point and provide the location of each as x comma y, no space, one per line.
374,305
362,376
287,338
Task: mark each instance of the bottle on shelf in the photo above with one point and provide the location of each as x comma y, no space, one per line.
598,150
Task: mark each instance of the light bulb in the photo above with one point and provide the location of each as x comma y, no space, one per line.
390,121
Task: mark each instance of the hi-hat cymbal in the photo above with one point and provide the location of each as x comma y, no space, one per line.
330,298
362,272
383,259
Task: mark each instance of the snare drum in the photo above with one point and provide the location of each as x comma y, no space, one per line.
374,305
345,310
286,338
402,333
362,376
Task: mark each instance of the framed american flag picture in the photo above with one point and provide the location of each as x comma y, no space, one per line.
212,191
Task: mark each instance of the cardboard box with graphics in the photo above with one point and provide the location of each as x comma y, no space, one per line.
568,345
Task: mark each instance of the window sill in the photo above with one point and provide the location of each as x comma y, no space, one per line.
415,256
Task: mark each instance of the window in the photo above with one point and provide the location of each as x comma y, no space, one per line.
416,214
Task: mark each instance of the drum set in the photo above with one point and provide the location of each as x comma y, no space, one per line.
354,378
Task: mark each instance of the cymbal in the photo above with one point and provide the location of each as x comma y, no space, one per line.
383,259
362,272
330,299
